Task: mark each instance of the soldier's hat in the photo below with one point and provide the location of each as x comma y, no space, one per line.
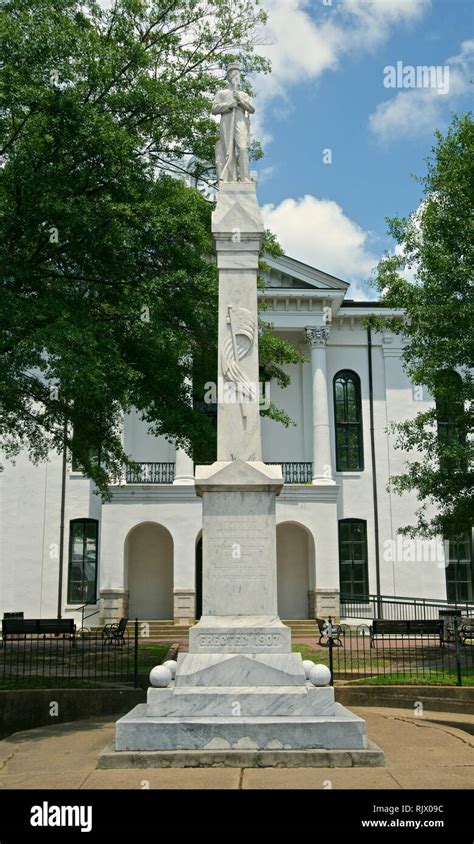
231,67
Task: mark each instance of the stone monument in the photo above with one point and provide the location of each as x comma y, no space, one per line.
240,689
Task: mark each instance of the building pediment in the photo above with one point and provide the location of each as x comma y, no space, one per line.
287,273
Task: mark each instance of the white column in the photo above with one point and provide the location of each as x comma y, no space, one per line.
322,465
184,468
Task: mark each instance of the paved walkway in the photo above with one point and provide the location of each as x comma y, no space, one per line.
420,753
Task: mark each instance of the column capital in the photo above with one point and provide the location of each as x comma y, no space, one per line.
317,336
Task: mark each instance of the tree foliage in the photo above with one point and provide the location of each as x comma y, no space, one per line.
108,297
436,247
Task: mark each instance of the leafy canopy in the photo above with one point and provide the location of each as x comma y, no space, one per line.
437,248
108,298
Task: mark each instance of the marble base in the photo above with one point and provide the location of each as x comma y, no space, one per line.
234,670
371,756
139,731
247,702
234,701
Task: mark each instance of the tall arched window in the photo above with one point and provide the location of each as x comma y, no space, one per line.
83,548
353,564
348,421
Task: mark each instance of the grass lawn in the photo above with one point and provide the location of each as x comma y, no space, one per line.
58,683
366,662
433,679
151,655
62,665
355,661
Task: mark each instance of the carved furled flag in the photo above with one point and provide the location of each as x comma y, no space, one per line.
239,343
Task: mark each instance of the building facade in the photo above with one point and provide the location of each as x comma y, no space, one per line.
139,555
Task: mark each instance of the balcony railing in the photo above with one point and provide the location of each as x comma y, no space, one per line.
163,473
150,473
295,473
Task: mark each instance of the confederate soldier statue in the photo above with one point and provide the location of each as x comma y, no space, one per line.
234,106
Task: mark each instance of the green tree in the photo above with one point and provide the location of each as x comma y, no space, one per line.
436,247
108,299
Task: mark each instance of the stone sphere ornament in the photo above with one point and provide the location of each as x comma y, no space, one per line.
320,675
160,676
308,664
172,665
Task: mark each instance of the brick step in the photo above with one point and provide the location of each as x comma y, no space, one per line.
169,630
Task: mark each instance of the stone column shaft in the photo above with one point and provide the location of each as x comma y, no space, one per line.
322,463
237,229
184,468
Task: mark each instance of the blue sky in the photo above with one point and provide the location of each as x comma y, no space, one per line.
327,92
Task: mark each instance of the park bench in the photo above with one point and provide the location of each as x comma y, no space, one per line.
323,632
38,627
466,630
114,633
407,627
455,622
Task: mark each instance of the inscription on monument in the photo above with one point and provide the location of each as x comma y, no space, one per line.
237,549
241,640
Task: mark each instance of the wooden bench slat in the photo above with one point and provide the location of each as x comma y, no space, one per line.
409,626
37,626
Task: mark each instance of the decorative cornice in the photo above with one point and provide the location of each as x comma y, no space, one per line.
390,352
317,337
149,493
296,494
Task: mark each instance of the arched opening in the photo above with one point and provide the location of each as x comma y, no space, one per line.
295,567
149,566
198,585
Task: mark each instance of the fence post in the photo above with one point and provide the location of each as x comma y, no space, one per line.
330,646
457,650
135,655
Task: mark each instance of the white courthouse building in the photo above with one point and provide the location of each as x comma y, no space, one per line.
139,555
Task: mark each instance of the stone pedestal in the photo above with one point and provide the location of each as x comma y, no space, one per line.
324,603
240,687
184,606
113,605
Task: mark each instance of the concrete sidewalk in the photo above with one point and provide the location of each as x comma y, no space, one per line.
420,753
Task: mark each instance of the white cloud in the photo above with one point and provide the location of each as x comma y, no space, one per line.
266,173
301,47
415,111
317,232
372,20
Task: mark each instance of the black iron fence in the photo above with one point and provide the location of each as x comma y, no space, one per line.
68,661
358,655
395,608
